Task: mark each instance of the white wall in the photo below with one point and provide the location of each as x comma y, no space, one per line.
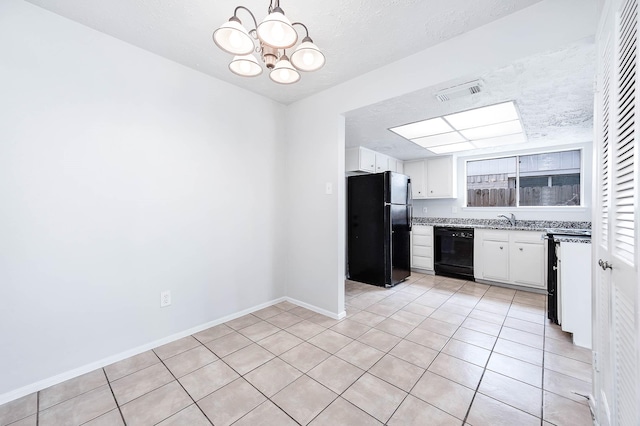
315,151
123,174
444,207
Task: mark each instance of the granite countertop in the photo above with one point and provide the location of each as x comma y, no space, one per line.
572,239
521,225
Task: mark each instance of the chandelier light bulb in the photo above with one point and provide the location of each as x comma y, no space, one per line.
245,66
307,56
233,38
276,30
284,72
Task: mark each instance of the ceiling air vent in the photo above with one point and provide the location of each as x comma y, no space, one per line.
459,91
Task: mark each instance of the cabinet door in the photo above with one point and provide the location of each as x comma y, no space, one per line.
495,260
415,170
527,264
367,160
382,163
439,182
391,162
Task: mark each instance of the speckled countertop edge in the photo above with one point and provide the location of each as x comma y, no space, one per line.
521,225
572,239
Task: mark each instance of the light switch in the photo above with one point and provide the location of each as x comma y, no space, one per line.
329,188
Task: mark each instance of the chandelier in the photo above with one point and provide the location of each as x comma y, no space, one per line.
270,40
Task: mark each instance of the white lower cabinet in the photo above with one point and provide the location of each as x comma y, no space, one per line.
575,291
498,268
512,257
528,265
422,247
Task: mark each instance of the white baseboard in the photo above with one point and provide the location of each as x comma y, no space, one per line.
313,308
43,384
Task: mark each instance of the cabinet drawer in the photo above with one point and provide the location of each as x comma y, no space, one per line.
422,262
493,235
423,251
422,240
527,237
422,230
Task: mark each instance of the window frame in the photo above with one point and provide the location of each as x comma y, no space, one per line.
581,206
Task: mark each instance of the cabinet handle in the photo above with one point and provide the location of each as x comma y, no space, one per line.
521,249
500,247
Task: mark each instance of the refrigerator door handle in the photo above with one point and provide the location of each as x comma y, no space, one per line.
409,199
410,218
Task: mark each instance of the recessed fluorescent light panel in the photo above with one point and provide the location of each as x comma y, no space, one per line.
455,147
437,140
490,126
483,116
422,128
493,130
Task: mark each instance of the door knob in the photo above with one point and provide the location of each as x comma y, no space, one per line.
604,264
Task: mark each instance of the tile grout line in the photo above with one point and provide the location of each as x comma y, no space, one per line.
426,369
544,344
178,381
449,338
367,370
339,395
484,370
114,397
241,376
414,327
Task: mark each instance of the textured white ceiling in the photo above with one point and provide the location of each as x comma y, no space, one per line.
553,92
356,35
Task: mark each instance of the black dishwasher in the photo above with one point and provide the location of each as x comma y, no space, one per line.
454,252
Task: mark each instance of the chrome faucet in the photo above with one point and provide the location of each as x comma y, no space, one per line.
512,219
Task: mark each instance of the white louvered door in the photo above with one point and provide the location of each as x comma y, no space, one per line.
603,380
617,381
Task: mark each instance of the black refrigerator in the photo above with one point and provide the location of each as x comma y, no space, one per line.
379,214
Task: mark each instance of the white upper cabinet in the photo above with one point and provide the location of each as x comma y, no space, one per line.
440,177
362,159
415,170
382,163
432,177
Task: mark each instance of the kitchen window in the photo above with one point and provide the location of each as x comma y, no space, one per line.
550,179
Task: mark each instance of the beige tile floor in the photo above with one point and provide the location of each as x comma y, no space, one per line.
430,351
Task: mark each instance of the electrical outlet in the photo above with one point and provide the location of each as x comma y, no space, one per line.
424,210
328,188
165,298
